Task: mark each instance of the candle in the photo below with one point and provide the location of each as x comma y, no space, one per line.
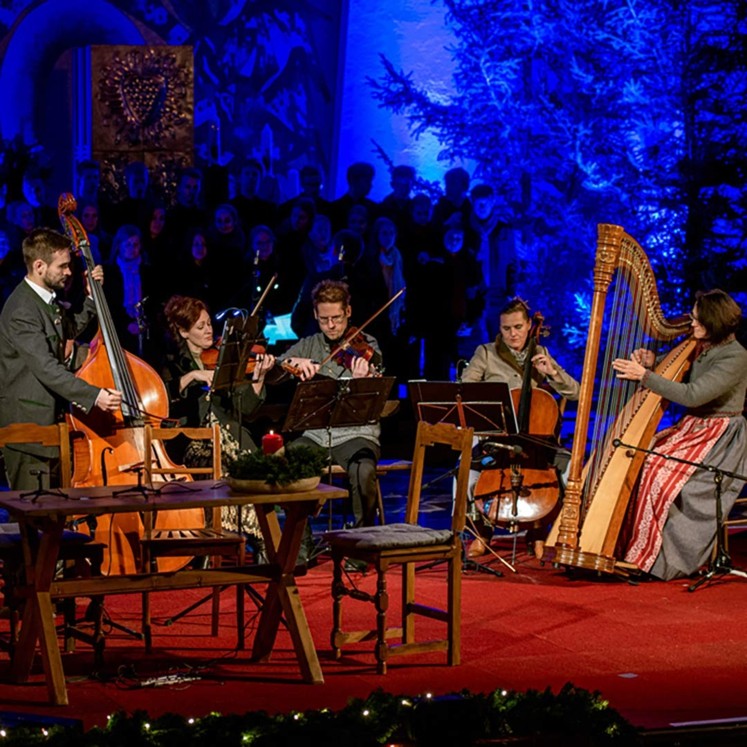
271,442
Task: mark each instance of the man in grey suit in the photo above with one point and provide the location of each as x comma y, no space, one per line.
36,383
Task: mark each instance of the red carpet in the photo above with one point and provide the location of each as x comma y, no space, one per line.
658,653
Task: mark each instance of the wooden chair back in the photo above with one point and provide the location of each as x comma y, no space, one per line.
459,440
45,435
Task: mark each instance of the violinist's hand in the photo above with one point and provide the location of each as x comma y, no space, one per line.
98,275
264,363
108,400
544,365
645,357
360,368
631,369
199,374
305,366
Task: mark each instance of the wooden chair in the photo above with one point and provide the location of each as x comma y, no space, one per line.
78,552
208,541
406,544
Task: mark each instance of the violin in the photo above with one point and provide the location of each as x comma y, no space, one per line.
355,346
211,356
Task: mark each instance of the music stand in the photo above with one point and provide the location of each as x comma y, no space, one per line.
239,334
337,403
485,406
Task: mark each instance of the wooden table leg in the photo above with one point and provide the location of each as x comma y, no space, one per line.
282,594
38,615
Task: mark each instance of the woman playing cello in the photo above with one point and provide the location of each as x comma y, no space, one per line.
506,360
188,381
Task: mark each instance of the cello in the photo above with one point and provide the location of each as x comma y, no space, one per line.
112,446
524,484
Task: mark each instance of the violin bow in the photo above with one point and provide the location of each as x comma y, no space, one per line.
346,340
261,300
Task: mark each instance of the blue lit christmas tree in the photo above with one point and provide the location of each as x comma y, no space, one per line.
585,112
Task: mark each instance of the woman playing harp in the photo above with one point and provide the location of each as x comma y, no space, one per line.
673,527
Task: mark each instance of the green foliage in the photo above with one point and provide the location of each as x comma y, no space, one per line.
572,716
297,463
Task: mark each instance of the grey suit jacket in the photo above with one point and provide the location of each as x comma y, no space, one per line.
35,385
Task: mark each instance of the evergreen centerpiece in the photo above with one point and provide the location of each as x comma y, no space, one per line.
299,468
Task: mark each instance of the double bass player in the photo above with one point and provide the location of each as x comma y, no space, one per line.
38,384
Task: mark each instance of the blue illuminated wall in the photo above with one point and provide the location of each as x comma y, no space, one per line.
414,36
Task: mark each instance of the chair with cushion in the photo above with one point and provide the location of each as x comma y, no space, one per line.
79,554
210,540
406,544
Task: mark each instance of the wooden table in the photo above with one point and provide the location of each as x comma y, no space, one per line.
42,522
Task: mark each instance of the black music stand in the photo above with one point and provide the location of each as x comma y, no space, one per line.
485,406
239,334
337,403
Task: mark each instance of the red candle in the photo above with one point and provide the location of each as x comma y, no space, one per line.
271,442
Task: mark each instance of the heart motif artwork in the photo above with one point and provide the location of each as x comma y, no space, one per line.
143,97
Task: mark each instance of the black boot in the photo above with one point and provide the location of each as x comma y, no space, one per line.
257,547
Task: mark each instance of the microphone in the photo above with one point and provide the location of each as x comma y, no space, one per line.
464,363
490,447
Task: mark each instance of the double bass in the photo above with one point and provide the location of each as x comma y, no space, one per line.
111,449
524,484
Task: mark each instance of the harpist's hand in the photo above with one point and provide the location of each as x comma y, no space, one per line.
628,369
645,357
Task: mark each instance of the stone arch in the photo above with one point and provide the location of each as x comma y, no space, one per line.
39,36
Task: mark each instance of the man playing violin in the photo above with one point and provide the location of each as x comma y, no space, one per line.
506,360
355,448
35,362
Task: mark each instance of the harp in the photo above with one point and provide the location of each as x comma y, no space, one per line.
626,314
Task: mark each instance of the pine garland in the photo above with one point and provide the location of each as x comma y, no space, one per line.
539,718
295,464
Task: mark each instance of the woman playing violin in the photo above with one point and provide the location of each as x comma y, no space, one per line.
191,402
505,360
355,448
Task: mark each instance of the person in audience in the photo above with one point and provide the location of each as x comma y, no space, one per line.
673,531
491,242
251,208
322,262
34,189
136,206
186,212
360,178
390,327
397,205
129,285
99,240
292,236
455,198
310,180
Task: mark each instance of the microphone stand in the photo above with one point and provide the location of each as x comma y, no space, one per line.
720,564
